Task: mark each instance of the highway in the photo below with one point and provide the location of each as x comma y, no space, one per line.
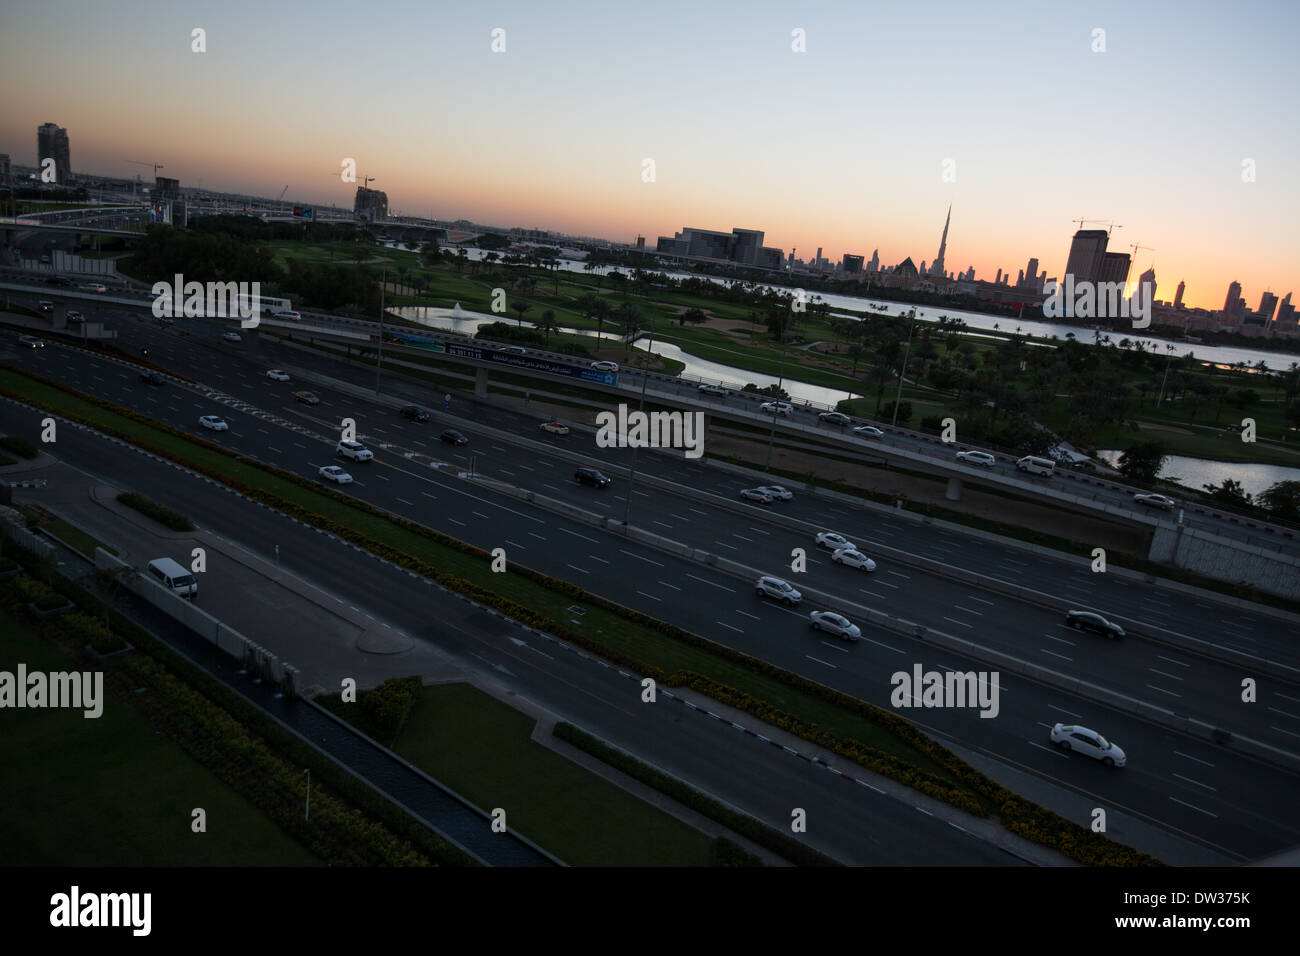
1182,783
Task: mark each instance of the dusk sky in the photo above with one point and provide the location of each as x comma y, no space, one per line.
841,146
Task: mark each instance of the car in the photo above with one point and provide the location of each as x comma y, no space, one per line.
276,375
756,494
513,350
31,341
835,541
152,378
835,418
778,408
555,428
335,474
286,314
45,258
453,437
93,287
836,624
214,422
47,305
231,336
415,413
307,398
869,431
1071,737
75,317
853,558
58,280
605,366
713,390
1156,501
591,476
354,450
777,492
982,458
777,589
1088,621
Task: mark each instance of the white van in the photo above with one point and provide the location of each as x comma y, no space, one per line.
1037,466
173,577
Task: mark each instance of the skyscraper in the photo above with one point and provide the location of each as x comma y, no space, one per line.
1145,294
1087,250
1114,268
1178,296
1230,302
1286,312
52,143
874,266
1266,306
937,268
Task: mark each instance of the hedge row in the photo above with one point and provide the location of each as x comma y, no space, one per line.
765,836
380,713
287,744
336,833
1026,818
160,513
19,446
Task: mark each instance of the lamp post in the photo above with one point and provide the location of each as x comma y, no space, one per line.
1168,362
383,278
306,814
631,471
780,381
903,371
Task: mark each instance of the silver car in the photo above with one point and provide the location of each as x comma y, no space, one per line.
837,624
1071,737
777,492
756,494
777,589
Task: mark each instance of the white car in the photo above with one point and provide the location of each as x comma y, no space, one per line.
605,366
835,541
1156,501
777,492
288,314
853,559
336,474
756,494
231,336
1073,737
93,287
354,450
870,431
836,624
713,390
555,428
982,458
783,591
276,375
214,422
780,408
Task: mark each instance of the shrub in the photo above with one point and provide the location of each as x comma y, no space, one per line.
19,446
160,513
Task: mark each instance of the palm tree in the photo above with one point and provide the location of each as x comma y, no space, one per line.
857,353
547,325
602,312
521,308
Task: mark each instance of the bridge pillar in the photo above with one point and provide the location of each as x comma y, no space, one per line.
954,490
480,382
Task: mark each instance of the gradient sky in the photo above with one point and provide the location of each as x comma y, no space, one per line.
839,147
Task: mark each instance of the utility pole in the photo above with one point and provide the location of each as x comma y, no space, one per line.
383,279
631,471
903,371
780,381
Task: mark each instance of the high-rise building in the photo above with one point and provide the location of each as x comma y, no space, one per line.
1145,294
817,263
370,205
1233,297
52,143
1029,277
4,167
852,264
937,268
874,265
1178,296
998,279
164,188
1087,250
745,244
1286,315
1114,268
1266,306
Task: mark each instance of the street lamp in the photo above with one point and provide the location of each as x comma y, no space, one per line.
1168,362
383,278
903,371
645,377
780,381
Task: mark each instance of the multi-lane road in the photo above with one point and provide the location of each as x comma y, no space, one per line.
1223,799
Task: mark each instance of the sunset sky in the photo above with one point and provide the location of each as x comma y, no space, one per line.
840,146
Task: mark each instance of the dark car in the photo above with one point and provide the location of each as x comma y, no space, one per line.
453,437
415,413
590,476
58,280
152,378
1087,621
307,398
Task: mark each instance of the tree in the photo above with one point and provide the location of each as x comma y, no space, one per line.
904,412
1142,462
521,308
857,353
1229,492
1283,499
602,313
547,325
693,315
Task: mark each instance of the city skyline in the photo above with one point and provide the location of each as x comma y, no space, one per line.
567,152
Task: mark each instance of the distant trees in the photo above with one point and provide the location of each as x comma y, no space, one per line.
1142,462
1283,499
547,325
1229,492
692,315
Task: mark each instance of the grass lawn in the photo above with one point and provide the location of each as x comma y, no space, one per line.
113,792
480,748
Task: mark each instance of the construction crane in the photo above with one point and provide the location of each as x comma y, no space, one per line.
156,166
1105,222
1133,258
282,192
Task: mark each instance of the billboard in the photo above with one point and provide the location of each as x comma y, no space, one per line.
304,212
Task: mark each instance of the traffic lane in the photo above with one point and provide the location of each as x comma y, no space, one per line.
755,777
